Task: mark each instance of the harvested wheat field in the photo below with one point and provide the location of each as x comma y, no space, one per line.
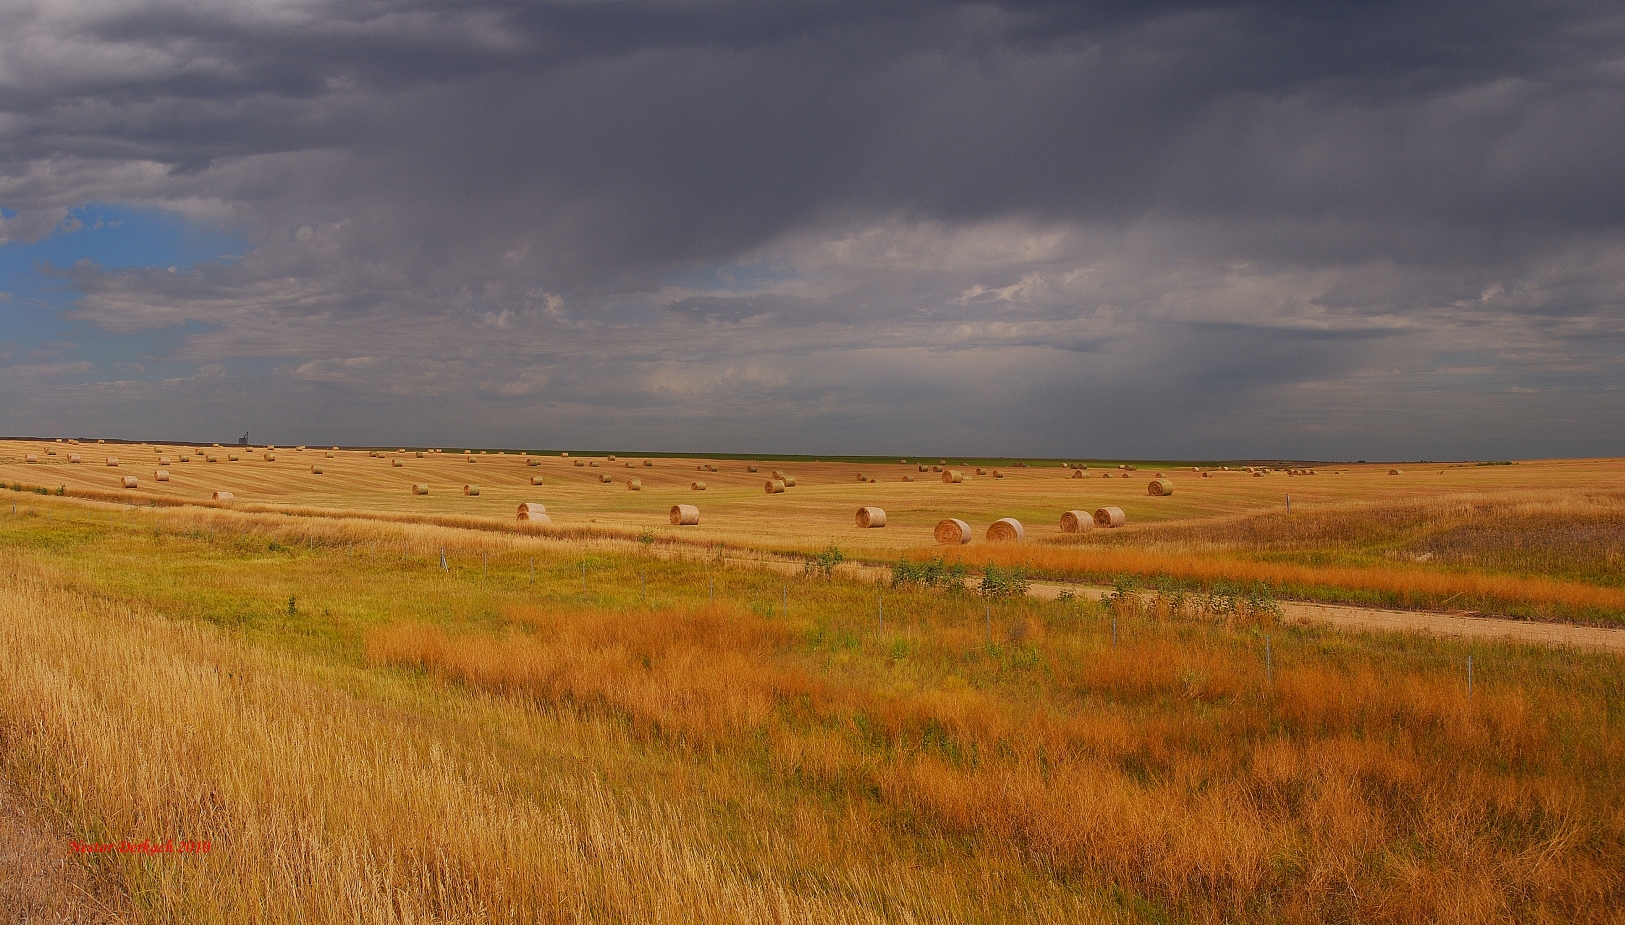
421,707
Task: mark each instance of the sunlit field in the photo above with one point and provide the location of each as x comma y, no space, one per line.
356,703
1532,539
617,731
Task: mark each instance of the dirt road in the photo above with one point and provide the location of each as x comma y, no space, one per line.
1338,615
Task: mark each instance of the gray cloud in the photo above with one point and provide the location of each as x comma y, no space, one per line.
1294,229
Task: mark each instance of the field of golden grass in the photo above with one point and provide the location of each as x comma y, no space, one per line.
1535,539
379,721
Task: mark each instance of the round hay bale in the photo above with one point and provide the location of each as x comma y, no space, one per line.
871,517
1105,475
128,481
1395,471
112,461
774,487
270,457
952,532
231,457
186,459
224,496
628,465
1077,473
648,464
1005,530
605,479
952,476
419,488
163,460
684,515
1110,517
471,459
908,478
579,463
397,463
634,484
471,490
535,480
712,467
1207,475
330,454
610,458
31,457
564,455
997,474
1258,475
420,456
750,468
696,486
75,458
161,475
981,471
532,461
922,468
861,478
593,464
314,470
1076,522
532,510
1160,488
1126,475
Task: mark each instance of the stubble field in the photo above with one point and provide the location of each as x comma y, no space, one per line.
376,706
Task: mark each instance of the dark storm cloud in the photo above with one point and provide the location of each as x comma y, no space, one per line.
646,219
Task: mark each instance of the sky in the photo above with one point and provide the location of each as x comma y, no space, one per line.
1182,230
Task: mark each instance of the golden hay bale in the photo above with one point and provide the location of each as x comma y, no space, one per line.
397,464
128,481
605,479
936,468
211,459
750,468
1105,475
330,455
1207,475
186,459
981,471
1127,475
31,457
471,490
1395,471
648,464
224,496
468,452
270,457
871,517
580,463
593,464
535,480
1159,475
997,474
532,510
952,532
112,461
163,460
565,455
922,468
610,458
684,515
861,477
231,457
1077,473
773,487
315,470
420,456
419,488
532,461
628,465
908,478
634,484
1076,522
952,476
1006,530
75,458
1258,475
872,481
161,475
696,486
471,459
1110,517
401,450
1160,488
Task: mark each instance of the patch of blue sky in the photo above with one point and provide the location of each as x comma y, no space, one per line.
114,236
731,277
